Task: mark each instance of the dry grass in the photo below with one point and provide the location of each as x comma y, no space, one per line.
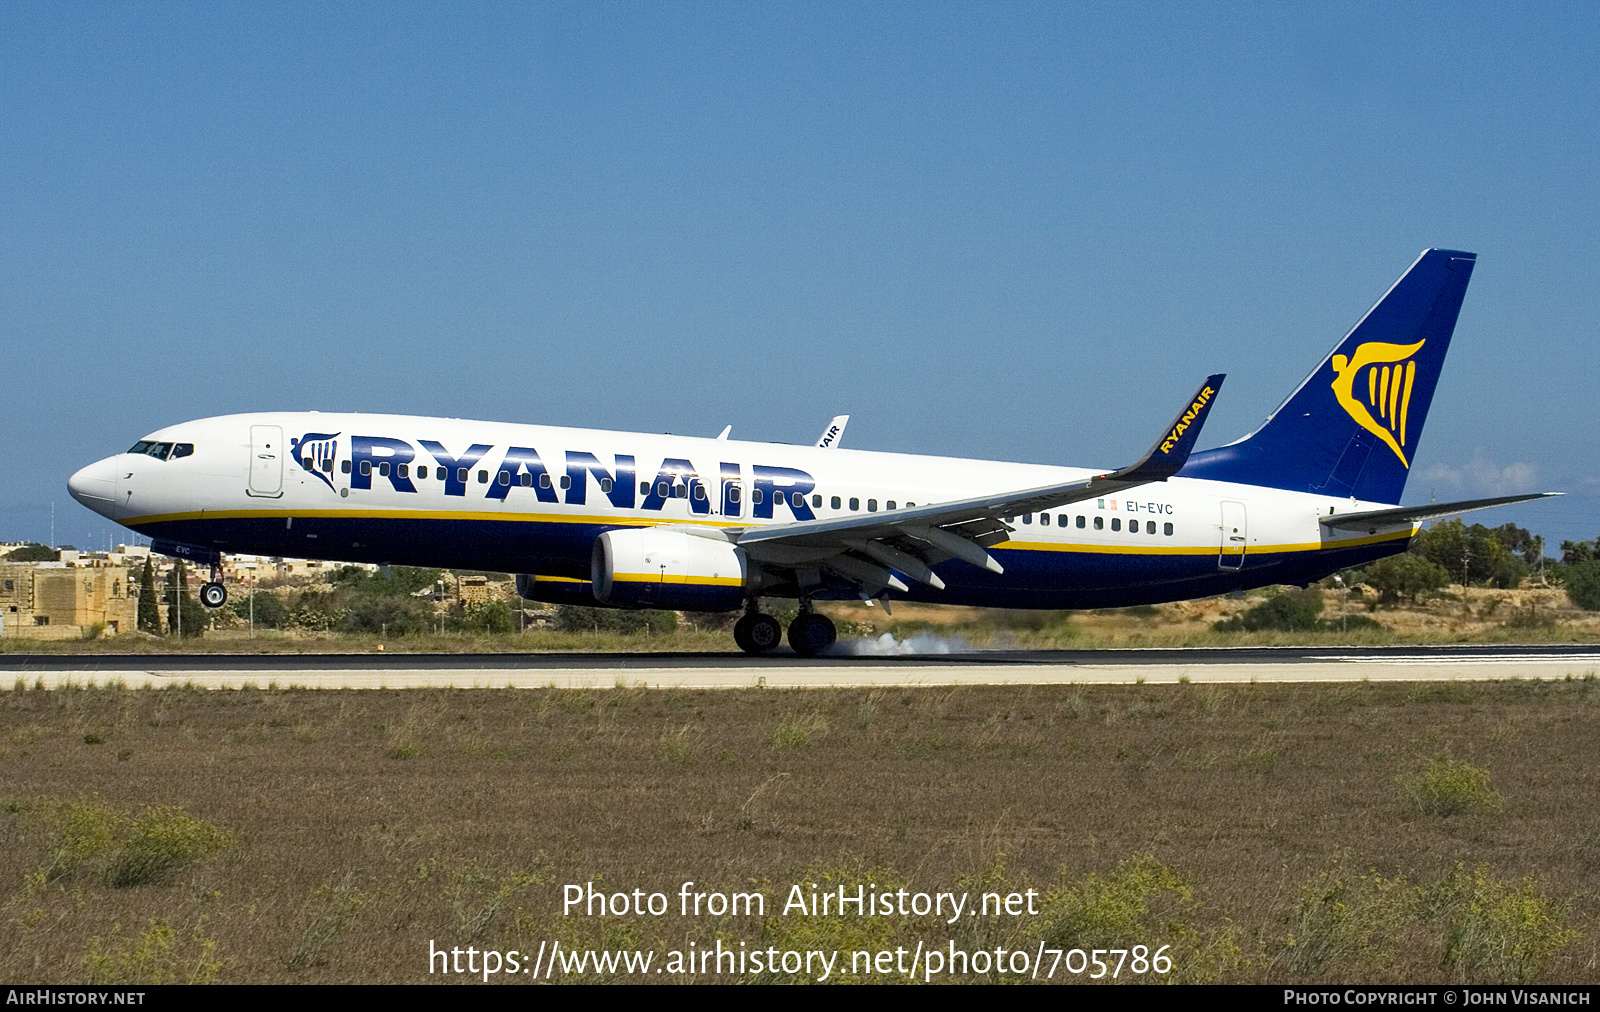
1267,832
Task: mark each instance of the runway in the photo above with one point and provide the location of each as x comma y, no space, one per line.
709,671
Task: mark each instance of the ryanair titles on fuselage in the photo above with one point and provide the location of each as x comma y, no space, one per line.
386,458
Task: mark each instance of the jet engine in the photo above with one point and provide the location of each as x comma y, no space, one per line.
653,567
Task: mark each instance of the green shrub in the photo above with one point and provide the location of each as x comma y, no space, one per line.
162,841
83,834
1583,585
332,908
1097,912
1351,922
1448,786
1496,932
1406,576
387,616
269,610
494,617
1291,611
154,957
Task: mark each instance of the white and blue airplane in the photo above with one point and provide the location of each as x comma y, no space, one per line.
636,520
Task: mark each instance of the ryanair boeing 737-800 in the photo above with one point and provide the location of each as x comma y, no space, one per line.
633,520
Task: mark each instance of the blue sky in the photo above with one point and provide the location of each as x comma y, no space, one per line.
1003,230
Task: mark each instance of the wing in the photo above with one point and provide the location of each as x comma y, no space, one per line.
868,550
1373,519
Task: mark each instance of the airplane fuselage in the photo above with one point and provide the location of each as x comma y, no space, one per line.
533,499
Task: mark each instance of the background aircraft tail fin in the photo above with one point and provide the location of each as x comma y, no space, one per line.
1352,427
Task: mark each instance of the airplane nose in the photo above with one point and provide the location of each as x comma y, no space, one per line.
96,485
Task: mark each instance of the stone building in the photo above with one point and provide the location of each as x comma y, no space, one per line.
59,600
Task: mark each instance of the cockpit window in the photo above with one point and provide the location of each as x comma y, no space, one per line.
161,451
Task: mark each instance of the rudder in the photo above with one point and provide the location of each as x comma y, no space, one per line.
1352,427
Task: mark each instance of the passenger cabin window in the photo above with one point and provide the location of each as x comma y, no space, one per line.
733,494
834,502
1116,524
344,465
1027,518
855,504
756,496
566,481
1149,526
461,474
383,469
327,466
526,480
872,505
1167,530
1080,523
403,471
366,467
889,504
699,493
605,485
544,479
505,477
644,488
816,502
483,477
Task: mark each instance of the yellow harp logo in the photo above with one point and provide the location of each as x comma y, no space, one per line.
1390,371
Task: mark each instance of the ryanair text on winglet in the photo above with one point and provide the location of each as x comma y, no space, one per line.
1188,417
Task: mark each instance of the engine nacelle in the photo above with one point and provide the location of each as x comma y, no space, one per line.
654,568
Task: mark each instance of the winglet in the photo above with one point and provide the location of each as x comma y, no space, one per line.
1171,451
833,433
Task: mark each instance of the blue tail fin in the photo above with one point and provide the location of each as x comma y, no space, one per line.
1352,427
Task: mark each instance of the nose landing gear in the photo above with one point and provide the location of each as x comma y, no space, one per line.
212,593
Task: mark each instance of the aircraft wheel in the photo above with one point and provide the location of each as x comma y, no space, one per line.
810,634
757,634
213,595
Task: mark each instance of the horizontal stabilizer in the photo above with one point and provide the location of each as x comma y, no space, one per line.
1417,514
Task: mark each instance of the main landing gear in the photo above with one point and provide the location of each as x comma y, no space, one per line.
809,633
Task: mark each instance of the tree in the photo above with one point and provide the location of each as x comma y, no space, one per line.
1583,585
33,552
149,607
1574,552
1407,576
1474,552
1523,543
269,610
181,605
